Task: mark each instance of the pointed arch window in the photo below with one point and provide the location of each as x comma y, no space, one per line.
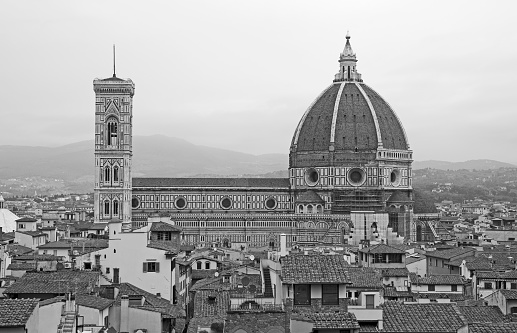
115,207
106,207
115,174
112,132
107,174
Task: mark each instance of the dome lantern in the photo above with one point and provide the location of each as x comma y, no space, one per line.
347,64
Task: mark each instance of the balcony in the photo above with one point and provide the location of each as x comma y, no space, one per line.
255,304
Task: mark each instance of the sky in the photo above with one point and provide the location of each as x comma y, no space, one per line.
239,75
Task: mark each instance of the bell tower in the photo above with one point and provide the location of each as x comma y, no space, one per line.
113,148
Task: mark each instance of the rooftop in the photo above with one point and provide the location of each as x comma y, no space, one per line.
16,312
314,268
381,248
364,277
329,320
448,279
482,314
450,253
162,226
58,282
423,318
212,182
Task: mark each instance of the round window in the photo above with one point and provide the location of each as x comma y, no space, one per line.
356,177
180,203
226,203
270,203
312,176
395,177
135,202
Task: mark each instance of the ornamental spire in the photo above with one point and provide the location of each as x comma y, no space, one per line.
347,64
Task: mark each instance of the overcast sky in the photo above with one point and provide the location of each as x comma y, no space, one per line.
240,74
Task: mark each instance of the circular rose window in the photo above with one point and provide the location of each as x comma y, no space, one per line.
395,177
226,203
356,176
312,176
180,203
135,202
270,203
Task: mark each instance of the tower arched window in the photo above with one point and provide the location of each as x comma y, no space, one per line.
106,207
107,174
112,132
115,207
115,173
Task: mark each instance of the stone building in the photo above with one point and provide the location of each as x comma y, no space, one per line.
349,153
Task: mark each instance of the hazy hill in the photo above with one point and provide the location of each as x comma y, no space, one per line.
469,165
153,156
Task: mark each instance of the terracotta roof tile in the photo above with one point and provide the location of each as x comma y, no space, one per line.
309,197
423,318
450,253
497,275
212,182
54,282
314,268
493,328
449,279
168,246
333,320
394,272
509,294
22,266
364,277
16,312
162,226
482,314
94,302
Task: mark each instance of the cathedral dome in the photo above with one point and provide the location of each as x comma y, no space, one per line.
347,121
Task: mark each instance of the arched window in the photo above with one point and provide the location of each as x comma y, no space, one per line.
106,207
207,265
112,132
300,209
115,207
199,265
107,173
102,174
309,209
115,173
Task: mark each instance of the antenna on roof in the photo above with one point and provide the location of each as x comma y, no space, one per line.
114,61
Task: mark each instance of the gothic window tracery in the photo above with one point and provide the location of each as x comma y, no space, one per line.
112,132
106,207
115,207
107,174
115,174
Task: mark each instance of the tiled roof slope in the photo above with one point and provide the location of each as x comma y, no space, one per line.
17,249
22,266
497,275
309,197
448,254
16,312
493,328
314,269
215,307
94,302
422,318
394,272
509,294
68,243
482,314
363,277
162,226
168,246
437,279
212,182
333,320
54,282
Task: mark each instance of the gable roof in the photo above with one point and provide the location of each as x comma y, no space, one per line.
57,282
364,277
162,226
314,268
16,312
423,318
450,253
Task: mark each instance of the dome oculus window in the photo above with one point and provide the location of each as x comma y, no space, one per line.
180,203
135,202
270,203
312,176
226,203
356,176
395,177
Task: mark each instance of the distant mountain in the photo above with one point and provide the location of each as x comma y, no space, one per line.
153,156
468,165
163,156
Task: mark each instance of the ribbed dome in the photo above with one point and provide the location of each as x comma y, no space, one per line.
349,116
349,121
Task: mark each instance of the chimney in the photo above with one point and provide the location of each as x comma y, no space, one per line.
70,303
124,314
283,245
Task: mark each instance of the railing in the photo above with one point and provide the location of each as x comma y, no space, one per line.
255,304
